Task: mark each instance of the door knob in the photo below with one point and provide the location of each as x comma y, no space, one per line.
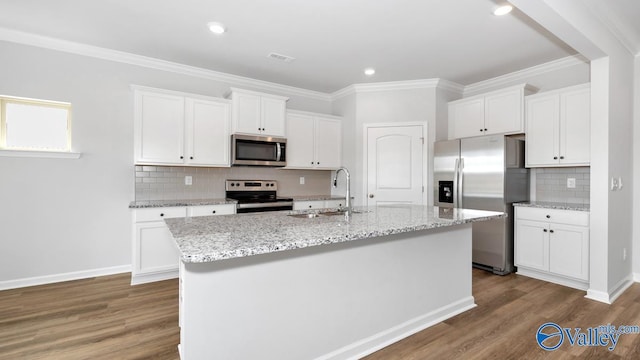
370,196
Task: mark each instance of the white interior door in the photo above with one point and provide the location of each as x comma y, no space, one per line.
394,165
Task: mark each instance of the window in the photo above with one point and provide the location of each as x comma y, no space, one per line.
34,125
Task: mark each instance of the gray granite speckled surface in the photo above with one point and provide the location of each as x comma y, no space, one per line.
211,238
554,205
172,203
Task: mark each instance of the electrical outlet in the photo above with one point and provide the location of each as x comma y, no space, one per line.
571,183
624,254
301,180
188,180
614,184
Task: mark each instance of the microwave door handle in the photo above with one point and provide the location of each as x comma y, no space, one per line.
278,152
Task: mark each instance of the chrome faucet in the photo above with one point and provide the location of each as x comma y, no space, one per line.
347,212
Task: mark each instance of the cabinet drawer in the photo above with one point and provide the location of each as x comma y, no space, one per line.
208,210
305,205
577,218
156,214
334,203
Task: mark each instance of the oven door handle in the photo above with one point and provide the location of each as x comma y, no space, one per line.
264,205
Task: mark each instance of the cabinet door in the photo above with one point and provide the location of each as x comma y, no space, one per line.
328,143
532,244
207,132
466,118
503,113
156,250
569,251
542,130
273,116
575,127
300,141
159,128
246,113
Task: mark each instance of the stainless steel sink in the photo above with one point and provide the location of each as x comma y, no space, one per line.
331,213
341,212
304,216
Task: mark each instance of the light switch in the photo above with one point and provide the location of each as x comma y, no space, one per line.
188,180
571,183
301,180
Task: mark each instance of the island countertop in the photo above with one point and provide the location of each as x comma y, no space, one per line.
212,238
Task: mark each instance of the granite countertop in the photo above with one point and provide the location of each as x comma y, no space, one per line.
554,205
316,197
211,238
173,203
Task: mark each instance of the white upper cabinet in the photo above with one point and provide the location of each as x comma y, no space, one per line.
558,127
208,132
173,128
314,141
301,140
497,112
328,135
258,113
159,128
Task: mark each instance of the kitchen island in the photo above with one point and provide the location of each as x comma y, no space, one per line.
274,286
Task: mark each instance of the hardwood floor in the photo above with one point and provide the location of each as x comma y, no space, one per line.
99,318
106,318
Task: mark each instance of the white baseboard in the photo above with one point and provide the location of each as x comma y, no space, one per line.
49,279
611,296
385,338
556,279
151,277
597,295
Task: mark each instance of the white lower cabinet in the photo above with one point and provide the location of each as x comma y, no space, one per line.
155,254
317,204
553,245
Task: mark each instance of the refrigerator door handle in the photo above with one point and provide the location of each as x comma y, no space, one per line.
460,181
455,183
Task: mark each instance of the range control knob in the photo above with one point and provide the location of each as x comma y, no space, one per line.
237,184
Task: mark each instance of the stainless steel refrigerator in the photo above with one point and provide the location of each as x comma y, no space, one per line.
483,173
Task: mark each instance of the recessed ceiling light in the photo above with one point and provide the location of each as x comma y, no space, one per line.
216,28
503,10
369,71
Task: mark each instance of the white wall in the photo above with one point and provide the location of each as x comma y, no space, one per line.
63,218
379,106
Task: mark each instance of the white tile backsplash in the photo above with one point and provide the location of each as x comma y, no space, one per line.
551,184
167,182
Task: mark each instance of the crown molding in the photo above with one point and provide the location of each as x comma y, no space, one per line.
398,85
152,63
522,75
617,26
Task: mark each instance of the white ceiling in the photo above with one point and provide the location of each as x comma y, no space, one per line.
332,40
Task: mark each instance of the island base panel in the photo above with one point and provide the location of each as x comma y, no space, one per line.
337,301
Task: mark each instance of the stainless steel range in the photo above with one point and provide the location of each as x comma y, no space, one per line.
256,196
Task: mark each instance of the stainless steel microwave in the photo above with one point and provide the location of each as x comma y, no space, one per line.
258,150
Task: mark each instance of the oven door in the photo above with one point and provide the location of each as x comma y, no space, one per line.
258,150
